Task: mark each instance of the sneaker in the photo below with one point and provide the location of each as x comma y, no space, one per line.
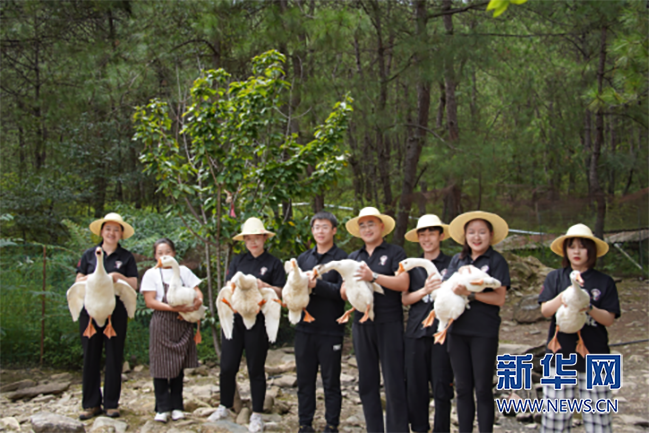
220,413
112,413
331,428
306,428
256,424
161,417
178,415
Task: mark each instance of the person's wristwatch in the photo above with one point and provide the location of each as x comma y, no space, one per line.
375,276
471,296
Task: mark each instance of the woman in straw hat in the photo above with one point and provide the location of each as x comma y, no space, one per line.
473,339
381,340
270,273
425,362
119,264
579,249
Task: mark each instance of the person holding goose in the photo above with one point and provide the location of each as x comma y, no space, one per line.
579,250
270,273
172,346
473,338
120,265
425,362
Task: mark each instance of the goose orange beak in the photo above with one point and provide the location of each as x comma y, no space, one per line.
580,280
159,264
400,270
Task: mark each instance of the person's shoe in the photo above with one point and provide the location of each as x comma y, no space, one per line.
331,428
178,415
89,413
306,428
113,413
161,417
256,424
220,413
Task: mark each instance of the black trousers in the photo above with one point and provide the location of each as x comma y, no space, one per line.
472,359
92,347
376,343
169,393
443,387
312,350
256,344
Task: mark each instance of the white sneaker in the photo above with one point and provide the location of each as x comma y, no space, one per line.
220,413
256,424
161,417
178,415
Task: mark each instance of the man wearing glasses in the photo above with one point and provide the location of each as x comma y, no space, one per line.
320,342
381,340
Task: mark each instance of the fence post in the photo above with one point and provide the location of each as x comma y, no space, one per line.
43,302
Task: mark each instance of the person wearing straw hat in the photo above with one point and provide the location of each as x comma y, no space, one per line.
270,273
579,250
381,340
473,338
119,264
320,343
426,363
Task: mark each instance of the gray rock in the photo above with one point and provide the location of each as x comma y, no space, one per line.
274,391
271,418
512,349
528,310
63,376
194,403
524,417
102,422
43,399
629,419
280,369
352,361
222,426
50,422
201,370
126,367
282,407
286,381
11,424
138,368
345,378
353,420
268,403
150,427
44,389
22,384
203,411
243,416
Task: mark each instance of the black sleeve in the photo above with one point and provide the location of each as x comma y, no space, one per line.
82,266
400,255
328,289
278,276
353,255
610,302
500,270
550,288
232,268
131,268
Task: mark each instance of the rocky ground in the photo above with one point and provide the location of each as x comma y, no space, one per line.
39,400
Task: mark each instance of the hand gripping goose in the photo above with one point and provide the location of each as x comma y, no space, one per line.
359,292
448,306
243,296
571,316
295,294
97,295
179,295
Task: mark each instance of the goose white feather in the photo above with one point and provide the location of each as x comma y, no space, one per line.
571,316
359,292
97,294
295,294
179,295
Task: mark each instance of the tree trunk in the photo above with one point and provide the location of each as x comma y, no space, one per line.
598,193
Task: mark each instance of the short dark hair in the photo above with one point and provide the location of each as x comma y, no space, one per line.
324,215
467,250
431,228
167,241
588,244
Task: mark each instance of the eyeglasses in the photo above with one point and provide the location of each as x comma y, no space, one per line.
321,227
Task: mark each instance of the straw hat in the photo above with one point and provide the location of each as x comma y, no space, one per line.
579,231
499,226
426,221
252,226
127,229
353,224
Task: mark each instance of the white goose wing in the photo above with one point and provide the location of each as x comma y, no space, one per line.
226,315
271,310
76,295
128,296
195,315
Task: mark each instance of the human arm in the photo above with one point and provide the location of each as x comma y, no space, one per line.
396,283
431,284
132,281
151,302
496,297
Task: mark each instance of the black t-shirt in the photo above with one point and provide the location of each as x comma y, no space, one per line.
385,260
603,293
121,261
265,267
480,319
325,302
420,310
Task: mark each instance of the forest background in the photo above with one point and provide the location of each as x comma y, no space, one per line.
539,114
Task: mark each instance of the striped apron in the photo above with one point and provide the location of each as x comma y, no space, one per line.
171,343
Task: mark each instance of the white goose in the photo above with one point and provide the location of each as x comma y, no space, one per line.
571,316
295,294
448,306
411,263
179,295
244,297
359,292
97,295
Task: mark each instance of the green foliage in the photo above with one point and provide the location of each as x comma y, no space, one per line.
500,6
